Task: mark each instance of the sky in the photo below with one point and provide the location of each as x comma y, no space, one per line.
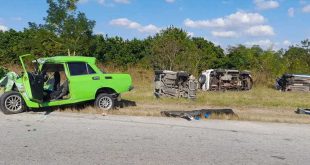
269,23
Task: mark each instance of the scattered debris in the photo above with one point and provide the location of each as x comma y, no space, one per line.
104,114
175,84
293,82
224,79
197,114
303,111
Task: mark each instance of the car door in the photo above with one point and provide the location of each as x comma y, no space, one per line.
83,81
33,80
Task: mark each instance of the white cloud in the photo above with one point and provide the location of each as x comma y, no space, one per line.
291,12
260,30
149,29
122,1
105,2
236,24
270,45
265,44
170,1
224,34
266,4
190,34
306,9
238,19
287,43
3,28
124,22
303,2
17,19
83,1
102,2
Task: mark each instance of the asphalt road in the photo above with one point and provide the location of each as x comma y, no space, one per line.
64,138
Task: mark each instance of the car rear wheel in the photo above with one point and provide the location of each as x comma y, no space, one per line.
12,102
105,102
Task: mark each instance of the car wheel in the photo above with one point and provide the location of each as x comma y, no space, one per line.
202,79
104,102
12,102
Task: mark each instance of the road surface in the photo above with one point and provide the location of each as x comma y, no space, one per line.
66,138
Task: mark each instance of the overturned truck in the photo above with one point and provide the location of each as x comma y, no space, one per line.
293,82
175,84
224,79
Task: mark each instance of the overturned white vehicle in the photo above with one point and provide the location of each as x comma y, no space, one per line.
225,79
293,82
175,84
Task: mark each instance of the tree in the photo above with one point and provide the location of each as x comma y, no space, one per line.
297,60
72,27
306,44
241,57
208,55
172,49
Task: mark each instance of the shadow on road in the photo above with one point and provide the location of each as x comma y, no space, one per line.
126,103
80,107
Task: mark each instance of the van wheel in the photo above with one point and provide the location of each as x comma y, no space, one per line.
104,102
12,102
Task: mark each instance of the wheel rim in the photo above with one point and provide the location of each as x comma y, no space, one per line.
105,103
13,103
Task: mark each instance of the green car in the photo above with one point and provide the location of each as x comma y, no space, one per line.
60,80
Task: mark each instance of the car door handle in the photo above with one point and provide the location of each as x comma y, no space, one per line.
96,78
108,77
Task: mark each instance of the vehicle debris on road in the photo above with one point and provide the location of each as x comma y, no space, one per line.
197,114
293,82
175,84
303,111
225,79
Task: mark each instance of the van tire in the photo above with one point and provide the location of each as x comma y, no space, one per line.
202,79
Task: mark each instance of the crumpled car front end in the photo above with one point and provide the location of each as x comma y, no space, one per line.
10,81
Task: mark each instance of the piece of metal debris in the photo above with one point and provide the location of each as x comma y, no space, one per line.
197,114
104,114
303,111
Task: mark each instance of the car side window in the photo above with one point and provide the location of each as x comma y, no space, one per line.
80,68
90,69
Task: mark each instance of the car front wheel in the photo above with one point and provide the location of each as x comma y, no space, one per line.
12,102
105,102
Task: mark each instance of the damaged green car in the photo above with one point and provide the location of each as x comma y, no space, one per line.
60,80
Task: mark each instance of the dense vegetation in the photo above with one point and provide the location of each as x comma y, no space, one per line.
67,31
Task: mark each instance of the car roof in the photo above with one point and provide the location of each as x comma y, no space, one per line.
61,59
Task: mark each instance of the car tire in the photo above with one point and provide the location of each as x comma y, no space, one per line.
12,103
104,102
202,79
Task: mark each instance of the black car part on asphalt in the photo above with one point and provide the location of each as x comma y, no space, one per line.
197,114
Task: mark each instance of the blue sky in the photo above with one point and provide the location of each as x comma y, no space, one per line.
269,23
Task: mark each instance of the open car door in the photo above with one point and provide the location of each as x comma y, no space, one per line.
33,80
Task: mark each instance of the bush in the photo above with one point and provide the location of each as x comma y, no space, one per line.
3,71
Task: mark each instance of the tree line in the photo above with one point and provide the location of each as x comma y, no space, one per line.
67,31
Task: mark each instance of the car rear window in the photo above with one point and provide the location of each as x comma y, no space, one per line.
80,68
